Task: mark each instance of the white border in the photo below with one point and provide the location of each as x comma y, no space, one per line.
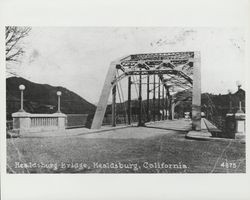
121,13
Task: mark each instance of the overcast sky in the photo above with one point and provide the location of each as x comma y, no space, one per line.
78,57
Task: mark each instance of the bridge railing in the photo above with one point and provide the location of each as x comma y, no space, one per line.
24,122
38,120
9,125
27,122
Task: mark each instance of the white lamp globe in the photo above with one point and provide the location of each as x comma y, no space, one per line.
21,87
59,93
238,83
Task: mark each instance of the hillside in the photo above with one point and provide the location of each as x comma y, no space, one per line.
213,105
42,98
219,104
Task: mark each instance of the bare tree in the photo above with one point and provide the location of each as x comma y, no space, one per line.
13,35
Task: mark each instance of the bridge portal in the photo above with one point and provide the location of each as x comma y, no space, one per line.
168,73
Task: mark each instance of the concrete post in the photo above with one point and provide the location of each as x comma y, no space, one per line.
61,120
240,123
21,122
196,100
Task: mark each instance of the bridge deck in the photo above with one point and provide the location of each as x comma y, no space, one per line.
128,145
152,129
177,125
167,126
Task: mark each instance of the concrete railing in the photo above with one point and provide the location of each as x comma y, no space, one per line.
24,122
43,121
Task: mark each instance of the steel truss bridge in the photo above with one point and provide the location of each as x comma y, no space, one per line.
169,73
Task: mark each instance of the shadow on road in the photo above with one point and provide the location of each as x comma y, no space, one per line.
171,129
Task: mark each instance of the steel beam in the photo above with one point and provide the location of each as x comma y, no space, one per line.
153,64
140,102
159,99
166,105
103,100
154,71
114,106
170,107
163,103
154,100
129,100
148,118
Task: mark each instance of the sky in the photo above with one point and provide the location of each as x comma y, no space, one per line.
78,58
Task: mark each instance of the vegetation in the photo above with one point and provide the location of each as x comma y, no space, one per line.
42,98
14,36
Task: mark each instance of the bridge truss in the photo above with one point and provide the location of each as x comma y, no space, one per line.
174,71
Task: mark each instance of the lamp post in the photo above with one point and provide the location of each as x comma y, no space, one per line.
59,93
230,101
21,88
238,83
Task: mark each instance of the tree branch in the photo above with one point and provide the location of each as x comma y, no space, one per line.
13,35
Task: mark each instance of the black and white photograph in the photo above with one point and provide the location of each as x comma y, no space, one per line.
125,100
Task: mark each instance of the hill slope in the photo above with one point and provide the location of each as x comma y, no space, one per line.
42,98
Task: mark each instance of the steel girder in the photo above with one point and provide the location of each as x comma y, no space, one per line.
175,69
